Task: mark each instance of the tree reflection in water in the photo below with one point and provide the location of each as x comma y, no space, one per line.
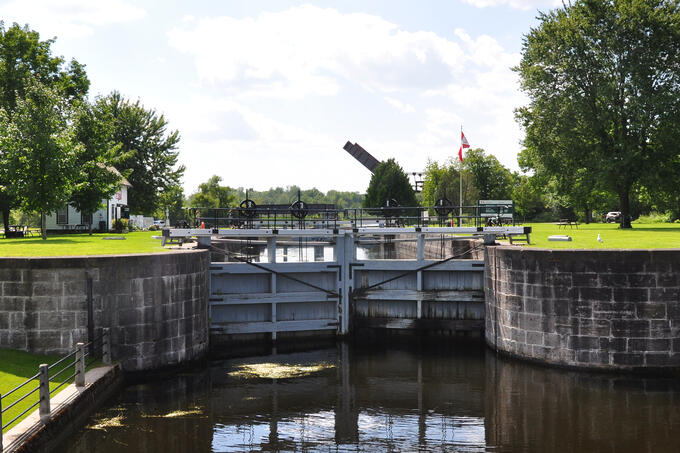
393,398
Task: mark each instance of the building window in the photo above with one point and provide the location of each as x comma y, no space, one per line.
85,219
62,215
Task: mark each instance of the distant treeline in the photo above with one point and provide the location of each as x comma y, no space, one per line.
288,195
212,194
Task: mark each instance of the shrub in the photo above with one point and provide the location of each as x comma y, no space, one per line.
121,225
655,217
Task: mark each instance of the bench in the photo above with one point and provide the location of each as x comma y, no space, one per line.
563,223
518,238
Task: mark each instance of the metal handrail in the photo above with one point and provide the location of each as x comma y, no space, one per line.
80,353
281,217
21,399
61,360
65,381
35,376
20,415
61,371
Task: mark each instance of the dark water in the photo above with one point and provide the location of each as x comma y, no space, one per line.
460,399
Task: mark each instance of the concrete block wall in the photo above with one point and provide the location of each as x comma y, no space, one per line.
610,309
156,305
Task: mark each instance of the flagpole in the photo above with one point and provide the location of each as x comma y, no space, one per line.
460,174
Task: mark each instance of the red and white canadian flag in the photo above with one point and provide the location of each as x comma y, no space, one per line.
463,144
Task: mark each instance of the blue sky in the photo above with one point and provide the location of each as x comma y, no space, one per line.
266,93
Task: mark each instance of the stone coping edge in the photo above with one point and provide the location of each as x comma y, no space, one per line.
70,409
119,255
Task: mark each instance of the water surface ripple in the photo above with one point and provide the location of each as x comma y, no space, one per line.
461,399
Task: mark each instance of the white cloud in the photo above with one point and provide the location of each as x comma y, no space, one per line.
69,18
281,93
310,50
400,105
519,4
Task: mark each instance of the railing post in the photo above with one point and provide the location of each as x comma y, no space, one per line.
271,249
80,365
0,422
106,346
44,393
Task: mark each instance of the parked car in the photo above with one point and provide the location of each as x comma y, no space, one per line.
159,223
613,216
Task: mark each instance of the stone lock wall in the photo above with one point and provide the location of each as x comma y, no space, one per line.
610,309
155,305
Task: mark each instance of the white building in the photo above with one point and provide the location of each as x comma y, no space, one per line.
69,218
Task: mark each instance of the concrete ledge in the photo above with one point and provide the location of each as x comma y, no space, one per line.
70,409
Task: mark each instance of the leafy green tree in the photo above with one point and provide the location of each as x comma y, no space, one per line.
24,57
344,200
440,182
603,79
389,181
171,200
528,196
97,178
443,181
41,149
491,179
280,195
152,160
212,195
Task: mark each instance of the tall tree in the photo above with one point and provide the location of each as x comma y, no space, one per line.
42,150
97,177
152,160
171,202
389,181
23,56
491,179
444,181
213,195
528,196
603,79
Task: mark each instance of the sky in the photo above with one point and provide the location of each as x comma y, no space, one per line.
266,93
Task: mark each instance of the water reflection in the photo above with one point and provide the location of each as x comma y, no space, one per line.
389,399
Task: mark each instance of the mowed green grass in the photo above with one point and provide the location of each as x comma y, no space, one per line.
15,368
82,244
641,236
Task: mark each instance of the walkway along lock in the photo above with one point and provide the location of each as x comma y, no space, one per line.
49,373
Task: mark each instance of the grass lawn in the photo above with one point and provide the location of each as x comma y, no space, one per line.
82,244
641,236
15,368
